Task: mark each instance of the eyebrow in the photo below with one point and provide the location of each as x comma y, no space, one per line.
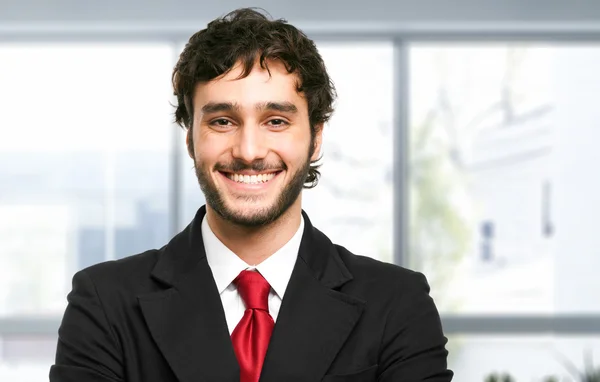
283,107
218,107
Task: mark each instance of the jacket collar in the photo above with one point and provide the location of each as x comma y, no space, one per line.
187,321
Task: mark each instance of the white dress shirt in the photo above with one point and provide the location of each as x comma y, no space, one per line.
226,266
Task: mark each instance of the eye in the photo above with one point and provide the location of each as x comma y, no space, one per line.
278,123
220,123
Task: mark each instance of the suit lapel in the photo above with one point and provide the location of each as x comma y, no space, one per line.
315,319
187,320
188,323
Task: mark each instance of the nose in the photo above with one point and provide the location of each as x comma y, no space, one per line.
250,143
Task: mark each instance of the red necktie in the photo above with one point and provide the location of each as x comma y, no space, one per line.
251,336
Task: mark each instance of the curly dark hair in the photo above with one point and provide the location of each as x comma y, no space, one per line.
242,36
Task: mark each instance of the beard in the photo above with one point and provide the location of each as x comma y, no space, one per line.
262,216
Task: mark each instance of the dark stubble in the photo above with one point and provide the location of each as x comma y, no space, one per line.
266,215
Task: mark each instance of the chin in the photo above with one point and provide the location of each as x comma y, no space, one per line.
250,214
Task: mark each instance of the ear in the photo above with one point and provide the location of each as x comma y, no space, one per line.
189,143
317,142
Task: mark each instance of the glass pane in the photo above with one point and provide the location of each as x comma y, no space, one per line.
83,163
27,358
524,358
190,194
352,203
502,204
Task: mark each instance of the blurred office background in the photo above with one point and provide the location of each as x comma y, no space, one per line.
466,145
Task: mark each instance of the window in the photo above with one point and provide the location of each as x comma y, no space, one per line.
503,142
502,198
84,171
97,161
494,129
353,202
525,358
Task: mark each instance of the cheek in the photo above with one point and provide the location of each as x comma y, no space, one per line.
293,151
208,148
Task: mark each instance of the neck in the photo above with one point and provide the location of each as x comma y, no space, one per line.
255,244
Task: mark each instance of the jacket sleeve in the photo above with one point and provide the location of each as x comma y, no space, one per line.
87,348
413,347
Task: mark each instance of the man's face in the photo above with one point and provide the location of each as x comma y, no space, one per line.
252,144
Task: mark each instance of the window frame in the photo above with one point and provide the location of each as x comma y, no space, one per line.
402,37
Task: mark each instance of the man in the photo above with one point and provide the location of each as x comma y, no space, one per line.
250,289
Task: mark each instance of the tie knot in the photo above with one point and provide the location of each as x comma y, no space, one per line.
254,290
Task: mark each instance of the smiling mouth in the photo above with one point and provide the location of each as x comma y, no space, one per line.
251,179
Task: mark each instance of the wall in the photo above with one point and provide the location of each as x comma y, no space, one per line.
333,12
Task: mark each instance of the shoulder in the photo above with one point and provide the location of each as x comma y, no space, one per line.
131,274
380,278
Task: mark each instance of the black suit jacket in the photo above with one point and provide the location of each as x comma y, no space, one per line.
157,317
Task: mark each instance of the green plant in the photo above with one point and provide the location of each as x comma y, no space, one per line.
439,233
551,379
497,377
590,373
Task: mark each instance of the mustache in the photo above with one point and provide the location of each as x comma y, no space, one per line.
258,165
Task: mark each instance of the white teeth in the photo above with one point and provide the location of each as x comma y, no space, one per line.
251,179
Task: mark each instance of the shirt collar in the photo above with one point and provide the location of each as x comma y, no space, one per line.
226,265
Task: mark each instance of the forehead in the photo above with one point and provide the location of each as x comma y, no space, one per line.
258,87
